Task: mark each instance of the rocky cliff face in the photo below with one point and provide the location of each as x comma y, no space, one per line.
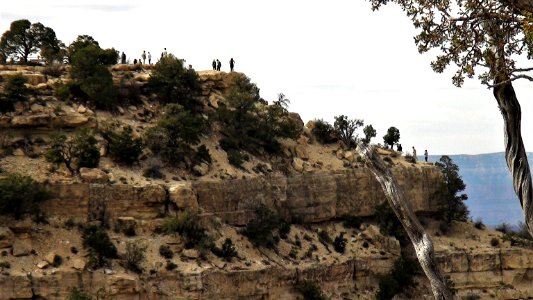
312,197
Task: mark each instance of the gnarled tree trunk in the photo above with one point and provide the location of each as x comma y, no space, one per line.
515,152
420,239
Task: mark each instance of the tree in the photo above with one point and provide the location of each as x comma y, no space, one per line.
21,195
77,152
24,38
345,129
123,147
172,83
369,132
392,137
90,72
81,42
455,208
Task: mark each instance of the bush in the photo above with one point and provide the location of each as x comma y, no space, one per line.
172,83
324,238
455,208
227,252
58,260
5,265
53,70
123,147
76,294
134,256
63,91
323,132
15,88
504,228
166,252
345,129
494,242
351,221
20,195
399,279
235,158
339,244
260,230
187,225
388,222
284,229
99,245
479,224
310,291
78,152
152,169
410,158
170,266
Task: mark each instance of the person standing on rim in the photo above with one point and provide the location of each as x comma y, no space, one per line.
149,58
214,65
143,56
426,155
414,153
219,64
231,64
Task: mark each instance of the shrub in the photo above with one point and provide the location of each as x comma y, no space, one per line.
63,91
15,88
351,221
21,195
76,294
227,252
123,147
152,169
260,230
388,222
134,256
310,291
479,224
58,260
235,158
324,238
172,83
339,244
5,265
323,132
400,278
187,225
410,158
369,132
504,228
53,70
452,186
166,252
284,229
78,152
345,129
99,245
494,242
170,266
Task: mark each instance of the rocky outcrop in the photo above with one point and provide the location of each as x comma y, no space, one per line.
310,197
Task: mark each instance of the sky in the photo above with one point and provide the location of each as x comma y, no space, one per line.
328,57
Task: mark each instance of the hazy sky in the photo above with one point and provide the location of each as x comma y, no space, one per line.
327,57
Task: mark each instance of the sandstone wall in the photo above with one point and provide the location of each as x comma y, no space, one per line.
312,197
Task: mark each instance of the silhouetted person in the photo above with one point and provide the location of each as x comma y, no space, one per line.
144,57
164,54
135,61
426,155
414,153
399,147
231,64
123,58
214,64
149,58
219,64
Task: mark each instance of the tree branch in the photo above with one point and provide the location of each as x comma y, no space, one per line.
420,239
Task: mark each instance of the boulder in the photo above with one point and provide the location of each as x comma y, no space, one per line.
21,248
183,196
42,264
82,109
37,108
301,152
50,257
93,175
191,253
298,164
6,237
78,264
350,156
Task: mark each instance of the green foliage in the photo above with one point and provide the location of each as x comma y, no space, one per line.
455,208
345,129
166,252
24,38
399,279
227,252
369,132
89,70
134,256
339,244
58,260
310,291
252,125
479,224
15,88
123,147
21,195
323,132
63,91
284,229
174,135
187,225
78,152
99,245
324,238
392,137
388,222
172,83
261,229
76,294
494,242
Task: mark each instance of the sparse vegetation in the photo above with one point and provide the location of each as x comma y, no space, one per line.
123,146
345,129
323,132
399,279
166,252
261,229
187,225
339,244
454,208
134,256
97,242
77,152
76,294
310,291
388,222
227,251
494,242
20,195
479,224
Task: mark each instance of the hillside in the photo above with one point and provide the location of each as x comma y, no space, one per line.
195,219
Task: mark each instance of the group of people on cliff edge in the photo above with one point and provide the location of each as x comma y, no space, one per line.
217,64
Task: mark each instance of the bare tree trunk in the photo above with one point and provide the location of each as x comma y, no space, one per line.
515,152
420,239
